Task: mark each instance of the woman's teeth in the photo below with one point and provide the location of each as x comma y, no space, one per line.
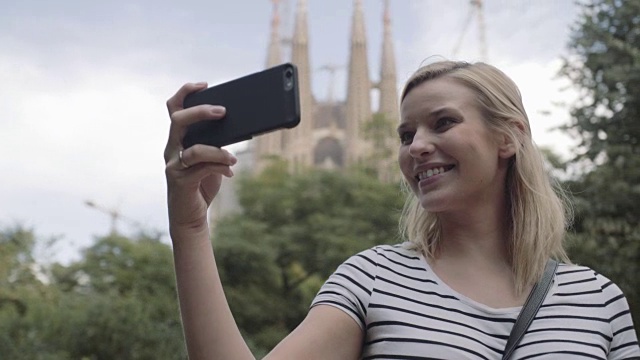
431,172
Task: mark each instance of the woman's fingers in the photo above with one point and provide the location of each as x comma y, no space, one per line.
175,102
200,154
199,172
181,118
207,154
186,117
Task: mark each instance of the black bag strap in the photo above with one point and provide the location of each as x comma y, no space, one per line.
530,308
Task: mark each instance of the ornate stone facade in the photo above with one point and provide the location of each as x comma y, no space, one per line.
333,134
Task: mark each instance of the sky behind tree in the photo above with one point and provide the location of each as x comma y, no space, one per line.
85,85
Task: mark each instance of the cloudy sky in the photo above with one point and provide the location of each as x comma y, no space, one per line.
84,85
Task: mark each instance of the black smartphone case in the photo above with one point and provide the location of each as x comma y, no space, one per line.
258,103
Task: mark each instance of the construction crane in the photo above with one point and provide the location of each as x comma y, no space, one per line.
115,216
475,10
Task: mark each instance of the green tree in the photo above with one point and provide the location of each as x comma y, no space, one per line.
120,301
16,266
382,162
18,287
605,68
117,302
28,306
292,233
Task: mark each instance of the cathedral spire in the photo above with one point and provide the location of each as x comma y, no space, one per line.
388,87
358,107
274,53
301,31
271,143
358,34
300,138
388,106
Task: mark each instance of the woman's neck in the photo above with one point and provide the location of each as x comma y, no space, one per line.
480,235
473,259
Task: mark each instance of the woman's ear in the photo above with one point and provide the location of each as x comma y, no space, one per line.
509,141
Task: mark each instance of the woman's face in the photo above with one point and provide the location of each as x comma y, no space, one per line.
448,155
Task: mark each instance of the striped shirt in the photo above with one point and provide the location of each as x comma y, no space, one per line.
407,312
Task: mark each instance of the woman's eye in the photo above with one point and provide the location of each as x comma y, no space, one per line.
444,123
406,137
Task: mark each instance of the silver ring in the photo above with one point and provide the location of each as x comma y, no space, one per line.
184,166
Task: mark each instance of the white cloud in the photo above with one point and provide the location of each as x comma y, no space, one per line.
100,138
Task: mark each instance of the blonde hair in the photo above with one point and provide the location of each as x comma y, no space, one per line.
538,210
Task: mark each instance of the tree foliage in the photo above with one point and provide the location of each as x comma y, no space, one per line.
117,302
20,293
605,68
16,267
294,230
382,161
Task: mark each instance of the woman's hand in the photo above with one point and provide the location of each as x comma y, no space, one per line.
193,175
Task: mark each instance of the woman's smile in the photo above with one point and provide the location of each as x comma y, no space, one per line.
432,175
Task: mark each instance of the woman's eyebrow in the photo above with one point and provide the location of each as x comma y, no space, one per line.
402,127
442,111
445,110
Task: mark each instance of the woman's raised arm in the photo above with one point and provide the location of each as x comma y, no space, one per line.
193,177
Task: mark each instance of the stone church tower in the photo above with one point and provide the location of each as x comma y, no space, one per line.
333,134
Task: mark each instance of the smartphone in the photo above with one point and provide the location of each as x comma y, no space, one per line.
256,104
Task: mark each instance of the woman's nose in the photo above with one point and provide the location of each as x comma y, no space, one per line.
422,144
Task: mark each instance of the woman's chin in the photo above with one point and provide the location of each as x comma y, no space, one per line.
433,205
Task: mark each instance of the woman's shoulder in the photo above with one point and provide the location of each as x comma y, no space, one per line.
578,281
391,252
580,274
390,261
596,301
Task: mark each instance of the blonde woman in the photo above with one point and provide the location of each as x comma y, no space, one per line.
480,222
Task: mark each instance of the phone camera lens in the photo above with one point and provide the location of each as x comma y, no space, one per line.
288,79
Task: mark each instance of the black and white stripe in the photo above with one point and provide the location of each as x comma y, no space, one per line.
406,312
